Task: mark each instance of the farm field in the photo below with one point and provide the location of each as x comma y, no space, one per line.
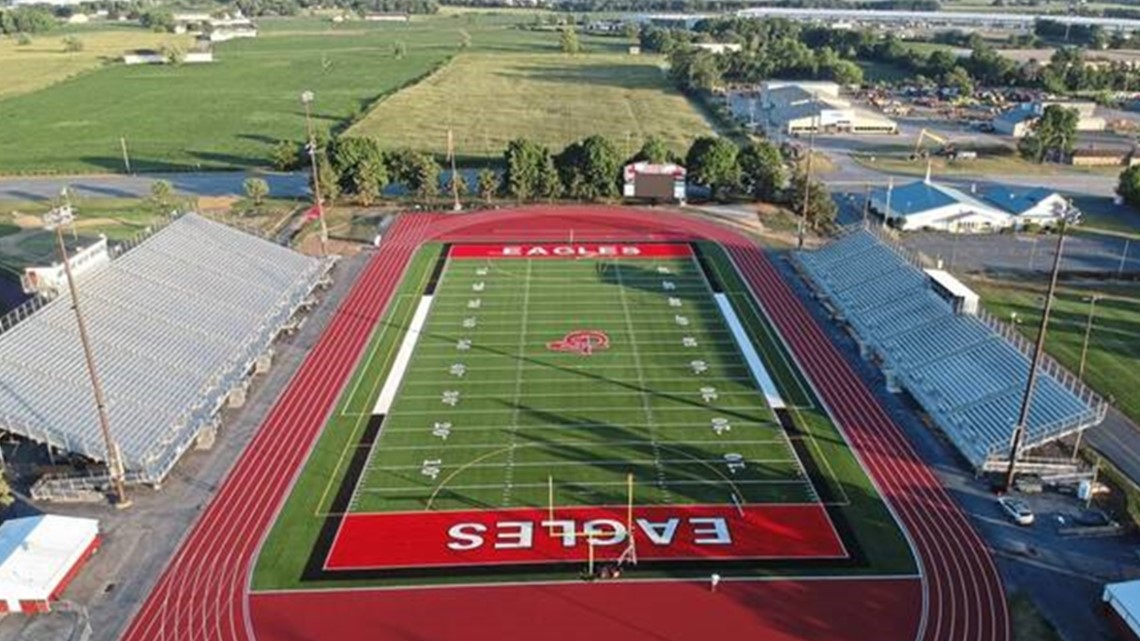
487,100
31,67
229,113
490,419
1113,366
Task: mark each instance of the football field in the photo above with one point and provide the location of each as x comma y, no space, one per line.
594,397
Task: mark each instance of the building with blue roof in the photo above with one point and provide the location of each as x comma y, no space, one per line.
924,204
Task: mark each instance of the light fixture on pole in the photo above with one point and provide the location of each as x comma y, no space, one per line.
307,100
807,174
55,220
1022,424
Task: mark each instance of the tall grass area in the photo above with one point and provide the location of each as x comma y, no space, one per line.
488,99
227,114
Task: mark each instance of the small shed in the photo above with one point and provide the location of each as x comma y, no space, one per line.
39,556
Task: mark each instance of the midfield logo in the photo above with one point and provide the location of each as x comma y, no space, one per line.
582,341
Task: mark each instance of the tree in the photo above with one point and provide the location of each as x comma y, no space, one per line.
1052,136
569,41
959,79
488,184
821,209
256,189
26,20
590,169
846,72
1129,186
762,171
161,193
359,161
72,44
530,171
423,180
654,151
712,162
6,497
173,54
330,188
158,19
285,155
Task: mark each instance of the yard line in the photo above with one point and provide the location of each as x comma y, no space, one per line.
723,408
640,377
587,426
508,476
592,462
577,484
570,443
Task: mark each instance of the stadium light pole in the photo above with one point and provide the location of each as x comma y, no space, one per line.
55,220
807,174
1022,424
307,100
1088,333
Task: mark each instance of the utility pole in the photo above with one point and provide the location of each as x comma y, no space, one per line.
55,220
307,100
1088,333
457,206
807,174
1022,424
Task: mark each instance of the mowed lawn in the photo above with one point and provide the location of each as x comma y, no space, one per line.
1113,365
489,99
228,114
43,62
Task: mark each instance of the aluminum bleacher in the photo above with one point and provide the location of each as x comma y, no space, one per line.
176,323
968,372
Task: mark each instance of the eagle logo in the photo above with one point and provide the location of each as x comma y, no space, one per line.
581,341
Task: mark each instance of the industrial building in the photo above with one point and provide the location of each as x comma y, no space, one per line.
793,108
1018,121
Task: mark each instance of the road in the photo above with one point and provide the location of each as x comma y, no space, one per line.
25,188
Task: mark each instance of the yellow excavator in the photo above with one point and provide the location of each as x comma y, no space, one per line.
947,149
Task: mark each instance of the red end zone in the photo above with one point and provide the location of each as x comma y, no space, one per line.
573,250
529,536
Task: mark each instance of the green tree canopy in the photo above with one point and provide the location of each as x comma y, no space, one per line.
654,151
590,169
530,170
256,189
285,155
488,184
569,40
762,171
821,208
1129,186
712,162
1052,136
360,167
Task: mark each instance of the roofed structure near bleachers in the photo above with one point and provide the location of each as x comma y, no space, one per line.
176,324
968,371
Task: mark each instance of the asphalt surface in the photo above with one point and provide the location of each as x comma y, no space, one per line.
22,188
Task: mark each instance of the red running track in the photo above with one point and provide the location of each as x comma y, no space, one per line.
203,593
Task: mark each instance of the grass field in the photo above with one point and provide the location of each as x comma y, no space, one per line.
896,159
1113,366
229,113
586,422
489,99
44,62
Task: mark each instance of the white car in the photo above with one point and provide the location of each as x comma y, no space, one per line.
1017,510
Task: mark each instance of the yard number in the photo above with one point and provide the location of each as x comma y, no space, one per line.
668,285
463,344
474,303
720,425
450,397
470,322
699,367
431,467
457,369
478,287
683,321
708,394
674,301
688,341
734,461
441,429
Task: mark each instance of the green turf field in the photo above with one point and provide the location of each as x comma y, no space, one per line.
585,421
687,422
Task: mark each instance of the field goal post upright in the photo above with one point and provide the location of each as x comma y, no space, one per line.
628,555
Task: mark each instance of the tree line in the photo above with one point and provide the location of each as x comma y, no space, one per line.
779,48
589,169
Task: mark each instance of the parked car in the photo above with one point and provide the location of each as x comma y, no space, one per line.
1017,510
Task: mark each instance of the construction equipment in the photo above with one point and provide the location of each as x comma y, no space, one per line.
947,149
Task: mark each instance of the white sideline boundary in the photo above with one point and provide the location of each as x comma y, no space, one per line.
403,357
755,365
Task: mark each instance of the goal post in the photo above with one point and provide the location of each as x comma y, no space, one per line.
629,554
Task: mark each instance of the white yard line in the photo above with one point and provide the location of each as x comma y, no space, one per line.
508,476
530,486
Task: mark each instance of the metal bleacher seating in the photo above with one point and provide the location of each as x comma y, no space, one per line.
176,323
968,372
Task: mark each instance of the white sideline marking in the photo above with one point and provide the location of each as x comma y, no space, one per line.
403,358
755,365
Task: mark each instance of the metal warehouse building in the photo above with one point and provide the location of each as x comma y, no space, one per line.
796,108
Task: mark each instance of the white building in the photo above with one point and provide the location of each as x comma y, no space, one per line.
924,204
52,279
718,47
1017,121
39,556
795,108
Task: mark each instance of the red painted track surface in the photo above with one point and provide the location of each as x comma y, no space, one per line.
203,593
